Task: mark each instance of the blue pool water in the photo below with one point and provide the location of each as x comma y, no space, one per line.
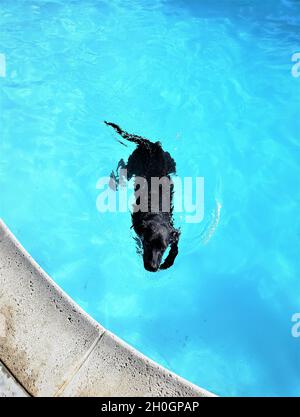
210,79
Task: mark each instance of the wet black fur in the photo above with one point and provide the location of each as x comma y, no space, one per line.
155,229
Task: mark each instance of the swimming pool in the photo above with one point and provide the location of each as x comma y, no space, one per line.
213,82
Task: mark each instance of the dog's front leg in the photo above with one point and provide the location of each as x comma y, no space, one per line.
118,178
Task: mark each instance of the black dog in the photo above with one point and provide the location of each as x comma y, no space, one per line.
154,227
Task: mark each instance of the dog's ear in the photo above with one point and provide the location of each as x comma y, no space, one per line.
173,251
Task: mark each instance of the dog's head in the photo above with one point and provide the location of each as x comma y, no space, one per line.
156,237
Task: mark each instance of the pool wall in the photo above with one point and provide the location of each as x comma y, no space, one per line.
53,348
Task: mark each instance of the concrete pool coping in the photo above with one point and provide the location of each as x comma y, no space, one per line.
53,348
9,387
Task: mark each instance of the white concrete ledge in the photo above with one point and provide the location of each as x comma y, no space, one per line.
9,387
53,348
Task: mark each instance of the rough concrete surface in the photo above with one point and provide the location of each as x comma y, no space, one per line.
9,387
53,348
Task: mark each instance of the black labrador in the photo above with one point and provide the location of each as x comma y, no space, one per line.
153,223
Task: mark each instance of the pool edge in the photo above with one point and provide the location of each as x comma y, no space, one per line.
54,348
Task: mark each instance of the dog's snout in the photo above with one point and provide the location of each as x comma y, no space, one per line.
152,267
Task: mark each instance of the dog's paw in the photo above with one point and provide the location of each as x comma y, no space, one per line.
113,184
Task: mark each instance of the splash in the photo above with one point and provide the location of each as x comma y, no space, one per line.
215,219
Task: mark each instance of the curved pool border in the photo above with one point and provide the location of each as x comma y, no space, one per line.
53,348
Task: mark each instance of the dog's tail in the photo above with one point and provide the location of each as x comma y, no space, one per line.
139,140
